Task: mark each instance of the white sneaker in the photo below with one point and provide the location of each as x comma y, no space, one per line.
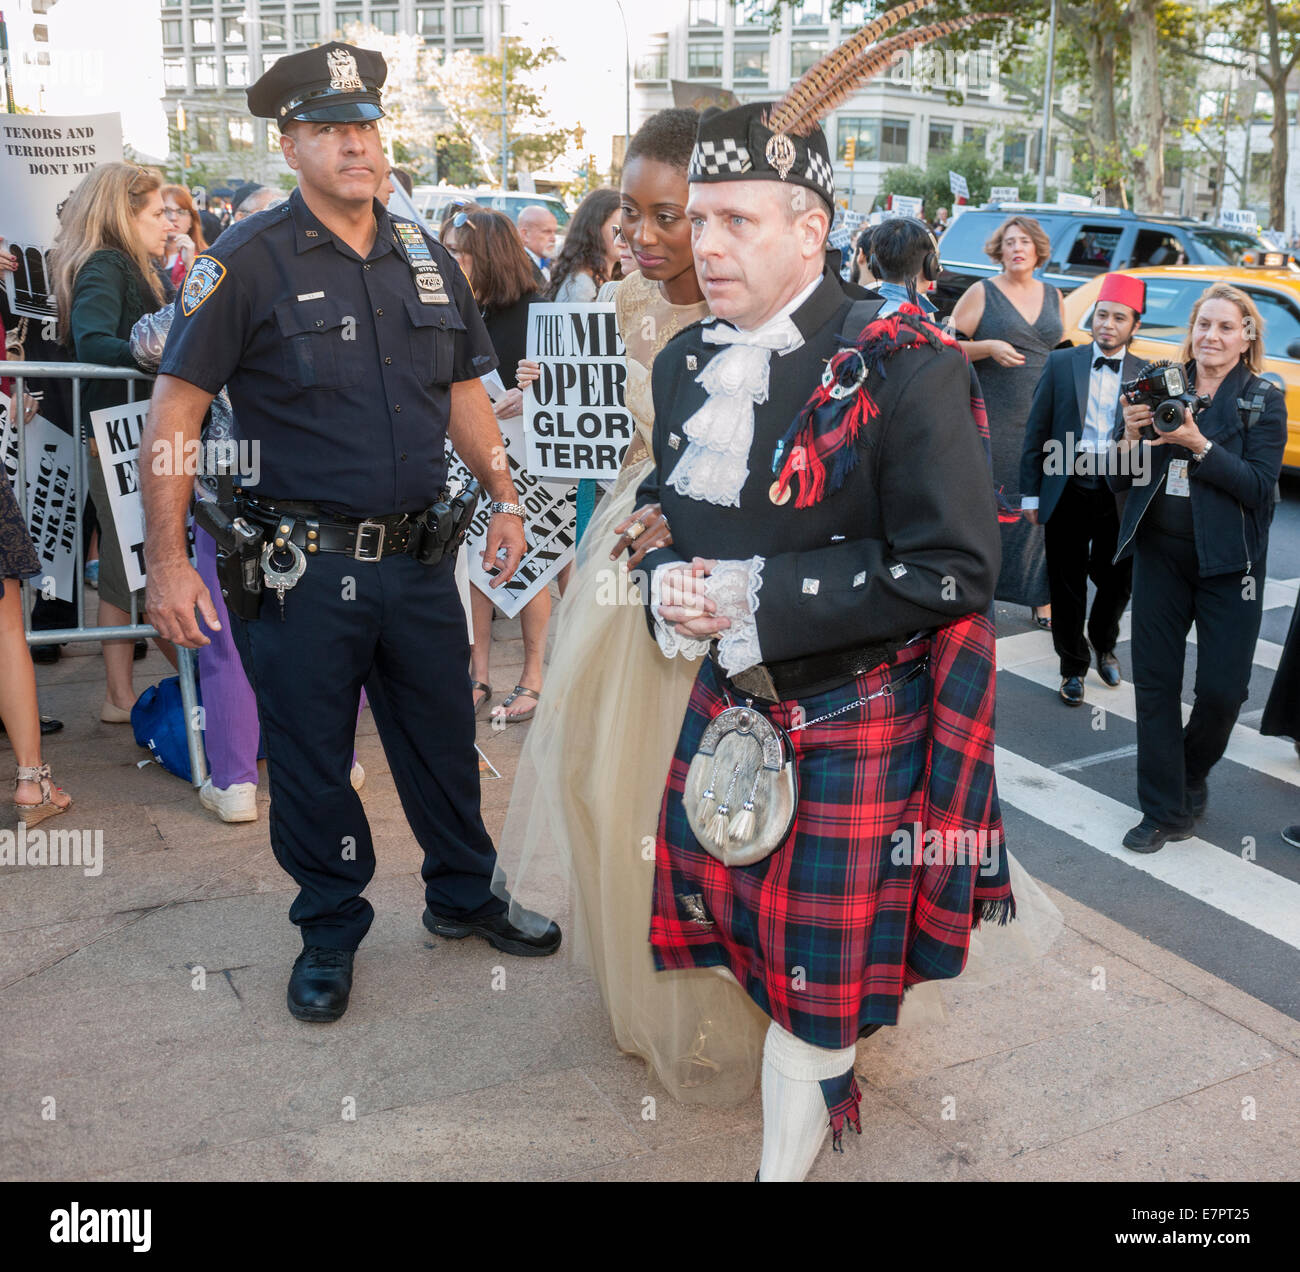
237,803
358,776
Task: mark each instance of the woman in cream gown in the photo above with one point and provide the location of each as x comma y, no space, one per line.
592,771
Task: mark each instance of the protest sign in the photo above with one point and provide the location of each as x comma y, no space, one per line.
575,422
905,205
1065,199
43,158
1004,194
117,431
550,526
957,184
1239,219
51,502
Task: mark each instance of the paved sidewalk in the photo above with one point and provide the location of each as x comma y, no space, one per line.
1166,1073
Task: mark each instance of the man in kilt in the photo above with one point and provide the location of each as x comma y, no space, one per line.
833,557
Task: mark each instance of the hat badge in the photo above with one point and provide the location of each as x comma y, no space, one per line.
780,154
343,72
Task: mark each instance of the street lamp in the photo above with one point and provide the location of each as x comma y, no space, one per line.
627,81
1047,108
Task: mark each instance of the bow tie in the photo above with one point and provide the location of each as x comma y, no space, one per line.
781,335
1113,363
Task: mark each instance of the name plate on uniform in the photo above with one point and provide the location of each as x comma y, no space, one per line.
429,284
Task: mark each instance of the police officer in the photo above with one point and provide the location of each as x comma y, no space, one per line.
352,348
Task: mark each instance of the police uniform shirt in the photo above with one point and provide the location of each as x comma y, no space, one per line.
335,366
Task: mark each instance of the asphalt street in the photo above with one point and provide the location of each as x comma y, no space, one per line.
1227,901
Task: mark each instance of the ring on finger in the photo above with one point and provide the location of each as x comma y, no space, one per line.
636,530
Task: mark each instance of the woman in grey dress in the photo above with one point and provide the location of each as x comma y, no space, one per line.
1009,324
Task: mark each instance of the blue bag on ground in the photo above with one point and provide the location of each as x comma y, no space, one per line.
158,721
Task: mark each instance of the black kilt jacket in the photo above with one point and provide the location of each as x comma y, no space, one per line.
909,542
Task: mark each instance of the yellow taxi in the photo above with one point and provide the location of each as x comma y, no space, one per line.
1171,292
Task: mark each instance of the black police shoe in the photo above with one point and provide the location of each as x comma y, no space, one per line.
320,983
46,653
1072,691
48,725
1198,795
1108,670
1149,836
498,932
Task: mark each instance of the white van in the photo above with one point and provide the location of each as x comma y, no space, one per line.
435,201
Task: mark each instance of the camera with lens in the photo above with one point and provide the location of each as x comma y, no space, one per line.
1163,387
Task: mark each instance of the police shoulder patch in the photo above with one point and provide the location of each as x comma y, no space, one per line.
203,279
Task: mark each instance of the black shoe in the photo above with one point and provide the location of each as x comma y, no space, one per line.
1148,836
140,651
1108,670
48,725
45,653
1198,794
1292,836
320,983
498,932
1072,691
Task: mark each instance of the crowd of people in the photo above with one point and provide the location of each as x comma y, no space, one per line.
856,586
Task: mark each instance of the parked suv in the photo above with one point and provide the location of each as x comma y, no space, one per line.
1091,241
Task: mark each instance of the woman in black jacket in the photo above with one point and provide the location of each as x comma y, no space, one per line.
1196,521
111,231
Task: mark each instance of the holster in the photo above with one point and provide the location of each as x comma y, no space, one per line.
239,552
441,529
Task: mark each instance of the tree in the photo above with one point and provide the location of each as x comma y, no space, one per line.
469,86
931,182
411,109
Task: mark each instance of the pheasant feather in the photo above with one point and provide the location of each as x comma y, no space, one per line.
801,117
826,73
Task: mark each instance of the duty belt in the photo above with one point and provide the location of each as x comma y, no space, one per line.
305,526
803,677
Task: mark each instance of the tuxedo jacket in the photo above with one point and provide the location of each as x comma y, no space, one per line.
909,542
1056,415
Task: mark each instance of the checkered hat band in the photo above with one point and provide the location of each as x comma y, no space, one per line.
712,157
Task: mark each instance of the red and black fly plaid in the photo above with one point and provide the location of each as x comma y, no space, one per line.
894,856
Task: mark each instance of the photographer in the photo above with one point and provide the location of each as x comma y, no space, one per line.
1198,533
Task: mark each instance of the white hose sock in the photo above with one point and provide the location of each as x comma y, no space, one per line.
795,1118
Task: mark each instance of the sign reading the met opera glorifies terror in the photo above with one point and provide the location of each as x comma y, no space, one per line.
43,158
575,422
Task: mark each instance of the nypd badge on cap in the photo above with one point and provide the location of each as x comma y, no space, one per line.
333,83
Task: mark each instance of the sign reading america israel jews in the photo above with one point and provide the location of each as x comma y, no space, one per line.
51,500
550,523
575,422
118,430
42,160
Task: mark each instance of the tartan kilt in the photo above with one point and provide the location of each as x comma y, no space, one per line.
828,932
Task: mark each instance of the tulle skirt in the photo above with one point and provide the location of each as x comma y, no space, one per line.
579,836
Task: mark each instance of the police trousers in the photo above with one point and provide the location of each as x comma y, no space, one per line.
1169,595
397,628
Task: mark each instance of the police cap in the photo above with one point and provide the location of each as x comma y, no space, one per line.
332,83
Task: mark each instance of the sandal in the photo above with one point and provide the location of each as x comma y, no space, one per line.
1038,620
34,814
521,717
474,687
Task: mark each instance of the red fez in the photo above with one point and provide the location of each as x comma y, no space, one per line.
1126,290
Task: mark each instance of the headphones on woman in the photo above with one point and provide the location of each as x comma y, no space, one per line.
909,230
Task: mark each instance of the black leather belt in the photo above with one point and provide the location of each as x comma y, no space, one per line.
803,677
364,539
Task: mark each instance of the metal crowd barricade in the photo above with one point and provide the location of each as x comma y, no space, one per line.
135,630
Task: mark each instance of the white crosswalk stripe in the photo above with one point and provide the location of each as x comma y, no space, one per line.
1216,874
1219,878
